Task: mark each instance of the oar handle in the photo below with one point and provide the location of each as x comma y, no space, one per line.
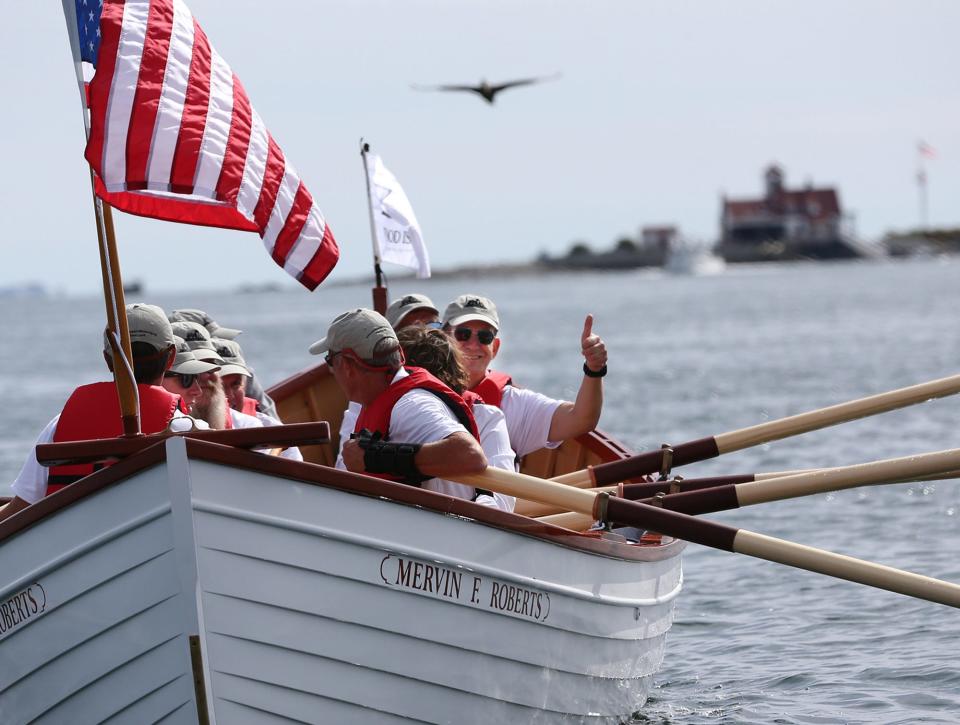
634,491
653,461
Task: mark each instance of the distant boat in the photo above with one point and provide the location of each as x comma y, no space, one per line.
23,289
133,288
692,258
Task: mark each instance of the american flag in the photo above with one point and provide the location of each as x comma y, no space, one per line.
173,135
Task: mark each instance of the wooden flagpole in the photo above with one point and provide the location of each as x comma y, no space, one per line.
116,316
118,335
380,290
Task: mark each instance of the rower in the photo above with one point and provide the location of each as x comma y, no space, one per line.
253,389
212,405
433,351
534,421
413,309
183,378
235,376
93,411
412,428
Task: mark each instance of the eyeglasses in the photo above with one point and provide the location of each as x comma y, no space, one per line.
435,325
484,337
328,358
186,380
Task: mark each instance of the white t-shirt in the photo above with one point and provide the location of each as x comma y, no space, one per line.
419,416
242,420
31,482
495,442
528,415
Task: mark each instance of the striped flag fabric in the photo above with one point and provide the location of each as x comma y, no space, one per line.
926,151
172,134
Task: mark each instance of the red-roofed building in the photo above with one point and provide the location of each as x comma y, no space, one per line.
805,223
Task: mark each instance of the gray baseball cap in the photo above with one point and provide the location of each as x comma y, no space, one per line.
471,307
359,330
186,362
147,323
198,340
402,307
232,356
202,318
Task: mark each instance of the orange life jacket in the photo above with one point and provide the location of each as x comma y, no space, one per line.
92,412
490,389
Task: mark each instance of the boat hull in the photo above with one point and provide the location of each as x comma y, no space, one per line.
320,596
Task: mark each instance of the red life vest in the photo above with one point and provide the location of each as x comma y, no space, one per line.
250,406
92,412
490,389
376,416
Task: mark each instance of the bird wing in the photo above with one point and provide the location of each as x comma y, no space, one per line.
475,89
522,82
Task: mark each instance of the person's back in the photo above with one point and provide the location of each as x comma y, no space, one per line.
93,411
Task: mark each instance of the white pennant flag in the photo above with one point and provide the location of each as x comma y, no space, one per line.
397,230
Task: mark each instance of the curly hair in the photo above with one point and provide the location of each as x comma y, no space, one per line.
433,351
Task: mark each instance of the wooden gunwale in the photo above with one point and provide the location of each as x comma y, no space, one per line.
317,475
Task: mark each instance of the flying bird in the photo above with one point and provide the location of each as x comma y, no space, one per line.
488,91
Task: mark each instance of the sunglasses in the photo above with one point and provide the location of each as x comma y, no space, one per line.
485,337
186,380
328,358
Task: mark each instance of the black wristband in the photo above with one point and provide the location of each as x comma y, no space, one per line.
393,458
594,374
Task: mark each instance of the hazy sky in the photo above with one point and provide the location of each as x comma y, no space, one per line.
661,108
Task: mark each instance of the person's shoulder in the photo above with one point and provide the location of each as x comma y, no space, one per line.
268,419
420,398
486,413
242,420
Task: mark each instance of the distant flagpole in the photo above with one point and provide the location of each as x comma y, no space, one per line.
379,291
924,151
117,330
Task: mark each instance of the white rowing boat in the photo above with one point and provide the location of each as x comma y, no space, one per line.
293,591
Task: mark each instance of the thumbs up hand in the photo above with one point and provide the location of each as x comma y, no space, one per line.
593,349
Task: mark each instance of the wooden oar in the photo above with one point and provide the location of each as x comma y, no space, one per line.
704,448
731,496
673,489
604,507
645,490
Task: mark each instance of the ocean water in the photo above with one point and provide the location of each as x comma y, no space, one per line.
753,642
